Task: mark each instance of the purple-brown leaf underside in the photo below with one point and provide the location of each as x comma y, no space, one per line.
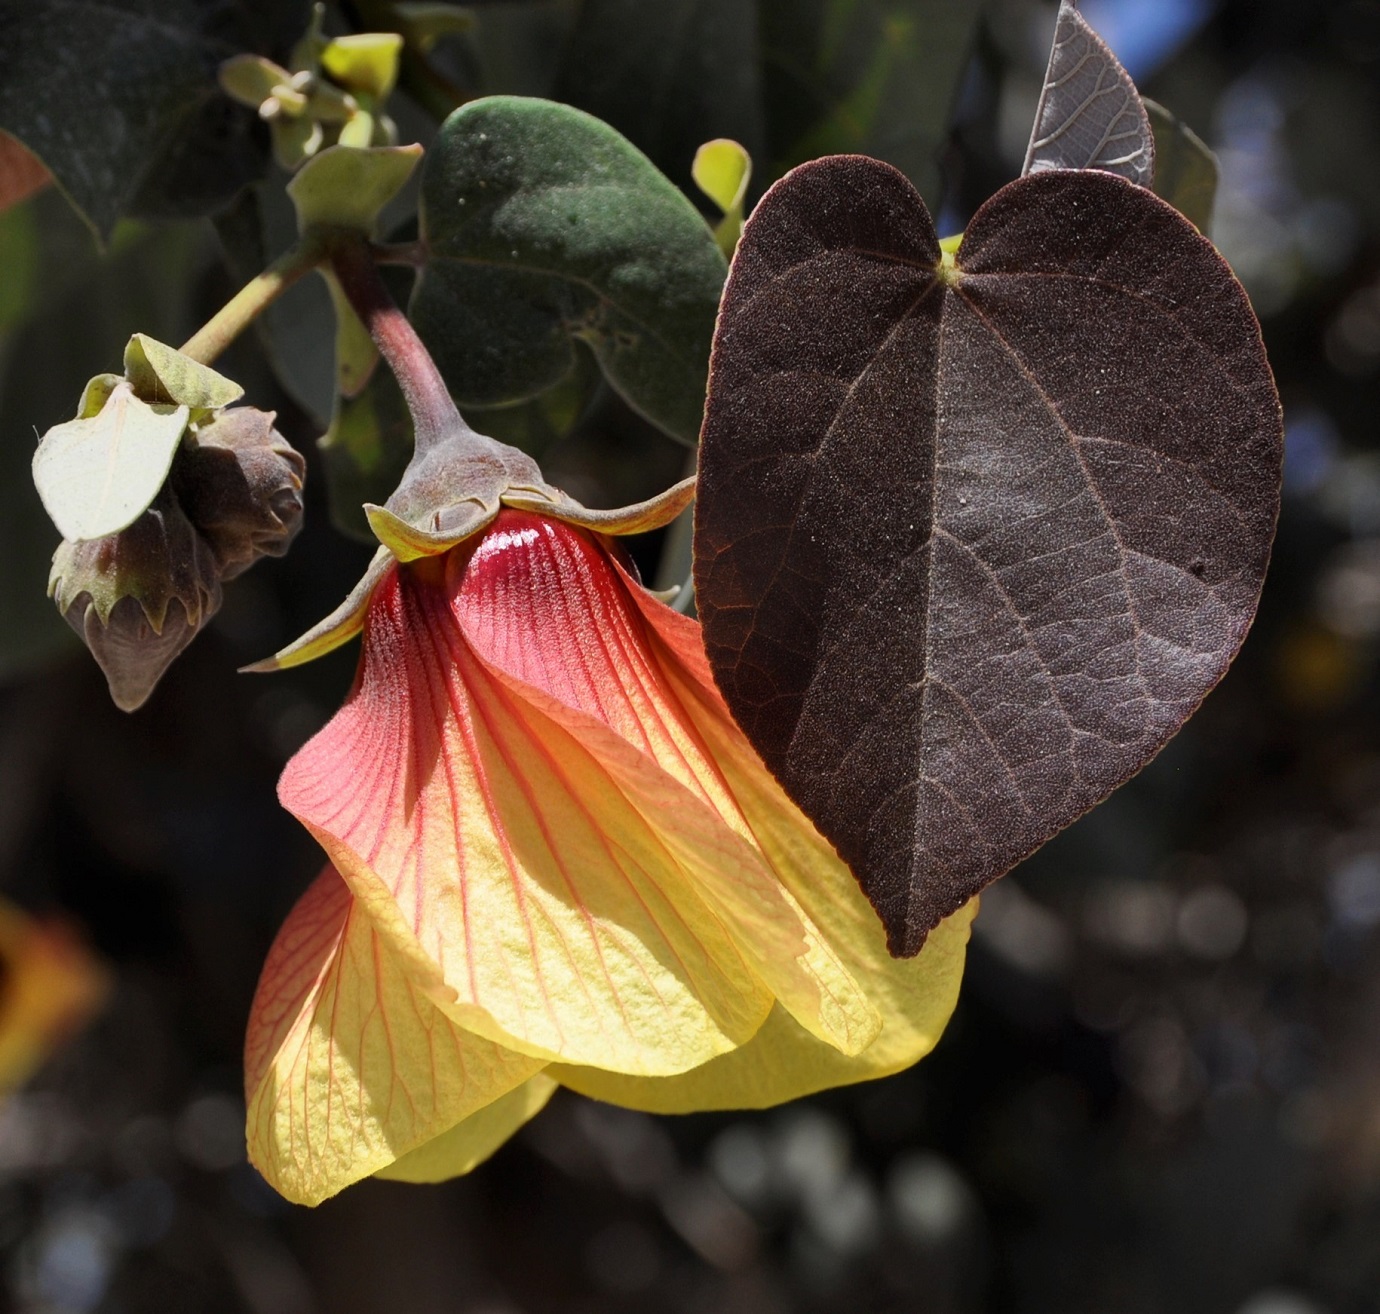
969,552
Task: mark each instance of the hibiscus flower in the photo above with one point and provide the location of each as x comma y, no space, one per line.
554,859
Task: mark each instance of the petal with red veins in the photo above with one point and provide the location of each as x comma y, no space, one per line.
486,840
551,616
915,996
466,1145
348,1063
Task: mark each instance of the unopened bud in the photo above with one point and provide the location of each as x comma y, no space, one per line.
240,483
137,598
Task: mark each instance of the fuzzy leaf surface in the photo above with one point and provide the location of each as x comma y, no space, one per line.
973,542
546,228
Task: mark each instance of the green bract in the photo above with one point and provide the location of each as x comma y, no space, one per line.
546,227
99,472
97,476
347,186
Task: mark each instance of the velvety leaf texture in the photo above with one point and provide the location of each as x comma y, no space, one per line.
545,227
972,542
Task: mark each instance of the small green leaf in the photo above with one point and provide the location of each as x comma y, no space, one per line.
546,228
346,186
721,170
96,393
1185,168
364,61
252,79
355,353
160,373
98,476
359,131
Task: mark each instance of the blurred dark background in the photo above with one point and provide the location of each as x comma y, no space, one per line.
1161,1089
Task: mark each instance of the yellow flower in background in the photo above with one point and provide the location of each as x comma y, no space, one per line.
49,986
554,859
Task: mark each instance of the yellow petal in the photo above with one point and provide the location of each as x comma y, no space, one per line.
914,996
556,622
466,1145
348,1063
486,839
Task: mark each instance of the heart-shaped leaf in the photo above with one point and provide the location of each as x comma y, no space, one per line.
1090,115
973,539
545,227
98,476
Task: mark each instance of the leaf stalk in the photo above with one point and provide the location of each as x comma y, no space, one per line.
236,315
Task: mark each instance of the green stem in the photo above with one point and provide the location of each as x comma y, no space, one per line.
251,301
434,416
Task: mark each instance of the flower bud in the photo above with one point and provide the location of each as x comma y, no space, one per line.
137,598
240,483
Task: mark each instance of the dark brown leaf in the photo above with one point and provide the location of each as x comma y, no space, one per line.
972,543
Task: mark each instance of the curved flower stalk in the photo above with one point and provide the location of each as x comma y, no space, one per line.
555,859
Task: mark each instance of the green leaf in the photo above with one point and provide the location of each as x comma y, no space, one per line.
119,98
98,476
347,186
546,228
364,61
252,79
872,77
1185,168
721,170
96,393
160,373
668,75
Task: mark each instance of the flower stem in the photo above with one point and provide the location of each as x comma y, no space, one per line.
434,416
251,301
